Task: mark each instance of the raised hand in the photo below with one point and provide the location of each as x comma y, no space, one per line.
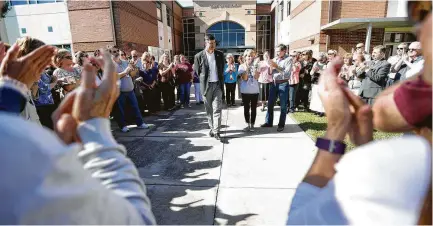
26,69
88,101
335,102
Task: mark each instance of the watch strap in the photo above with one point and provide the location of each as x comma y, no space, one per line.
332,146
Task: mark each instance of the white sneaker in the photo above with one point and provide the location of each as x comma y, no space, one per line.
125,129
143,126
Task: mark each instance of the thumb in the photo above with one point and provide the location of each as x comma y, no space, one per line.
67,128
364,118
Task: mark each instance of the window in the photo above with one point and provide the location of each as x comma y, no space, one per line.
18,2
188,37
249,12
46,1
23,31
158,11
228,34
263,33
289,6
50,29
169,17
280,11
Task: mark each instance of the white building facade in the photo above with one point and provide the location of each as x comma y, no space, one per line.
46,20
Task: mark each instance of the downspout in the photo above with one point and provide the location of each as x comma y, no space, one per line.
112,23
328,39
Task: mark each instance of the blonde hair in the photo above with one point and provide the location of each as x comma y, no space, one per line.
248,52
60,55
161,59
145,56
27,45
349,56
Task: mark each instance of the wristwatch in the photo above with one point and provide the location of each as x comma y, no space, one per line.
332,146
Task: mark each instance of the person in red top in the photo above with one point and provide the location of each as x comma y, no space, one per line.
184,73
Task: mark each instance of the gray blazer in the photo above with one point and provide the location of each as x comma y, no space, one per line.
201,67
375,79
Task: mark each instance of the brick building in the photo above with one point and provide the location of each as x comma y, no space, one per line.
340,25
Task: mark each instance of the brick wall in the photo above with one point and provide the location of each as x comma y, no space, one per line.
178,28
188,12
135,24
262,9
359,9
343,41
88,36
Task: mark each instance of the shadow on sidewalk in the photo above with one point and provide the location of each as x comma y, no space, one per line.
177,171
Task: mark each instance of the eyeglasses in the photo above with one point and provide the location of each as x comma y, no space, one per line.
134,56
68,57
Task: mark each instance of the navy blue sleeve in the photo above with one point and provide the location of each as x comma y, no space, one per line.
11,100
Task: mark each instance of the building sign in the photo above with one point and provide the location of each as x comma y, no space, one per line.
220,6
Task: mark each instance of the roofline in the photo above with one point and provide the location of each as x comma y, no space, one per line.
363,20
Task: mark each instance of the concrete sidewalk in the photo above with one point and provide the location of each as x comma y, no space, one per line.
192,179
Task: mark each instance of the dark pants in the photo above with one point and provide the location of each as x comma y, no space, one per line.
277,90
230,93
167,95
250,100
44,113
185,93
121,108
292,96
150,100
303,96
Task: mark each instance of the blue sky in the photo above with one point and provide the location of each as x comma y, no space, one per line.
186,3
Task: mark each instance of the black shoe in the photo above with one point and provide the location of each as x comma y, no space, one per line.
201,102
211,134
233,105
197,103
217,136
280,128
265,125
242,104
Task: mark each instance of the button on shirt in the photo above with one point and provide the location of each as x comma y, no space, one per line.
284,64
213,76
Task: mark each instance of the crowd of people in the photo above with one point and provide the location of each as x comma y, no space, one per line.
78,174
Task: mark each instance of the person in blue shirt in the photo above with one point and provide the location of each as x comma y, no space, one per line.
148,78
230,78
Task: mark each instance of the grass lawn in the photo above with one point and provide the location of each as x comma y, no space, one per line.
316,127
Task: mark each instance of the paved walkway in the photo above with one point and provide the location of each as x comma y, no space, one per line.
248,179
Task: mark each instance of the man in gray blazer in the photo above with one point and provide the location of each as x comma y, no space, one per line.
209,65
375,76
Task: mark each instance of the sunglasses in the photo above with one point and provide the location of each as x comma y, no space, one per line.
114,51
68,57
400,48
134,56
410,50
122,54
85,55
358,47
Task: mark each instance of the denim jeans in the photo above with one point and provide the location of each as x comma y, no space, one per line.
282,90
292,96
185,92
121,104
198,97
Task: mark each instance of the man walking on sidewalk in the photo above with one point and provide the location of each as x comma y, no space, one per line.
209,66
281,68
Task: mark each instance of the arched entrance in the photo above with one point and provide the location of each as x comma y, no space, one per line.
229,35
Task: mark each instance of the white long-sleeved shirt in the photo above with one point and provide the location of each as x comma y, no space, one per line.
381,183
45,181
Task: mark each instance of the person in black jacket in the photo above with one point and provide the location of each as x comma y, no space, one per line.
305,79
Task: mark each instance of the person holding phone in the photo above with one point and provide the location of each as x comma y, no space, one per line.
166,76
316,72
249,87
